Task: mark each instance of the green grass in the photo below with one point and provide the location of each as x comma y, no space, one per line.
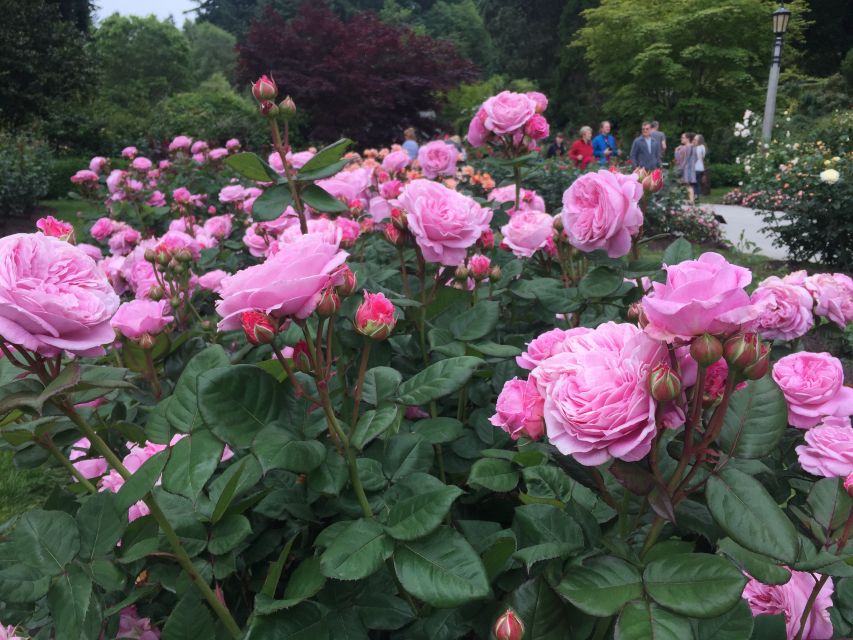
21,489
716,195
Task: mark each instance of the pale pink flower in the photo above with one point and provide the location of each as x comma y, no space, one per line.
141,164
438,158
97,164
790,600
519,410
528,199
396,161
129,152
212,280
833,295
784,310
828,450
84,176
527,232
507,112
180,143
137,318
813,384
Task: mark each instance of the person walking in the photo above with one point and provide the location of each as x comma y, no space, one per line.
410,144
604,145
581,149
660,136
685,164
557,149
700,151
646,150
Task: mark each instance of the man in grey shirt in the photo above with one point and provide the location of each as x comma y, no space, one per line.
646,151
660,136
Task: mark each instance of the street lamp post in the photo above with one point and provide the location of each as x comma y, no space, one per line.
780,24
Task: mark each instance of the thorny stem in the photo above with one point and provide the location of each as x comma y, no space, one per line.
151,370
291,183
692,422
359,383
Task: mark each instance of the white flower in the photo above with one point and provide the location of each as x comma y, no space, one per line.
747,114
829,176
745,133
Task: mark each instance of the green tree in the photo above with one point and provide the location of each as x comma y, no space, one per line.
460,22
212,50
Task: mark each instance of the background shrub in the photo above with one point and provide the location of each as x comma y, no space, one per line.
25,165
726,175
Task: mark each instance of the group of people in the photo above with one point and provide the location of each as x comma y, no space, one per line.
648,151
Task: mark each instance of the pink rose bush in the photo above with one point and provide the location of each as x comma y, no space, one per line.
510,120
813,384
828,451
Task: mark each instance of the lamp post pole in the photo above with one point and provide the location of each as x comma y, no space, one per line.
780,24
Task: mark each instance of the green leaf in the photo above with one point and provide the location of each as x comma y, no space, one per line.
190,620
601,586
238,402
228,533
437,380
438,430
157,426
46,540
830,503
698,585
643,621
303,622
380,383
734,625
357,552
374,423
272,203
277,448
420,514
442,569
545,532
545,616
758,566
756,419
192,461
182,409
600,282
100,524
748,514
20,582
68,601
492,474
321,200
678,251
252,167
34,400
496,557
325,172
477,322
230,488
305,581
324,157
406,454
141,482
382,611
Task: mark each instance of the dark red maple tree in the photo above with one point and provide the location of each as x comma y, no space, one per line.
362,78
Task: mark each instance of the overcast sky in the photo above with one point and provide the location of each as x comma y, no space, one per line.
160,8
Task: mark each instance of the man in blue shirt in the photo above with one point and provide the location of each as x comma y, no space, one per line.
646,151
604,145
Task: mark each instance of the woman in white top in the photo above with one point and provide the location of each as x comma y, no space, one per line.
699,164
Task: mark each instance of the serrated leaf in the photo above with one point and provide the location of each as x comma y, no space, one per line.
357,552
495,475
192,462
641,620
272,203
437,380
380,383
755,421
321,200
252,167
421,514
601,586
374,423
477,322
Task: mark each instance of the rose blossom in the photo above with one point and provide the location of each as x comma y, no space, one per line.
519,410
180,143
83,176
132,625
437,158
139,317
833,294
212,280
53,297
141,164
90,250
395,161
287,284
540,99
477,132
374,317
784,310
218,226
699,296
129,152
828,450
528,199
601,211
97,164
9,632
232,144
527,231
507,112
232,193
597,400
790,600
813,384
199,146
88,467
299,159
50,226
537,127
123,240
546,345
444,222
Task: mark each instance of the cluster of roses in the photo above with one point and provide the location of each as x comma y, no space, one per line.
510,120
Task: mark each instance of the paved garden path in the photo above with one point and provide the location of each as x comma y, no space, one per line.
743,223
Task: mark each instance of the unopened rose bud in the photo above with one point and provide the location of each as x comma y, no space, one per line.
761,366
146,341
183,255
301,357
508,627
653,182
287,107
330,303
487,239
375,317
175,302
269,109
264,89
479,266
348,282
398,219
150,255
634,311
394,235
178,267
258,327
461,274
706,350
848,485
741,350
163,258
558,223
664,383
495,273
156,293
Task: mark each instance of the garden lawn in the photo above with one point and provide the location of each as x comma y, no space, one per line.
21,489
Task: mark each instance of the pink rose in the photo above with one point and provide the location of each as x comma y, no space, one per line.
479,266
88,467
790,600
391,189
437,158
139,317
396,161
97,164
597,400
131,625
156,199
784,310
199,146
173,241
115,180
53,297
349,185
182,195
477,133
601,211
123,240
833,294
546,345
90,250
540,99
218,226
350,230
537,128
298,160
9,633
129,152
84,176
715,381
232,193
50,226
218,153
444,222
212,280
141,164
180,143
374,317
527,231
528,199
519,410
828,450
699,296
287,284
813,384
233,144
507,112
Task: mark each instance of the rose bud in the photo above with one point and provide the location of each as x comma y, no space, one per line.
146,341
461,274
558,224
375,317
156,293
393,235
330,303
184,255
741,350
495,273
706,350
479,266
287,107
150,255
653,181
761,366
664,383
258,326
508,627
301,357
398,219
848,485
348,282
269,109
487,239
175,302
264,89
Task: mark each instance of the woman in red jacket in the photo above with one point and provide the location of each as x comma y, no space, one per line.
581,149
